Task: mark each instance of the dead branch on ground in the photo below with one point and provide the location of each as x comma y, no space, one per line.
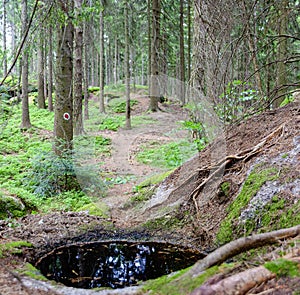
239,283
239,246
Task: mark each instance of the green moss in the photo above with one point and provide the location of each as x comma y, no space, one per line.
11,206
225,188
13,247
30,271
251,186
155,179
172,284
97,209
283,268
145,189
163,223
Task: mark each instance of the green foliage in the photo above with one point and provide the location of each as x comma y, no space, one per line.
13,248
112,123
251,186
120,106
238,100
283,267
93,89
51,175
67,201
169,155
198,133
102,145
288,99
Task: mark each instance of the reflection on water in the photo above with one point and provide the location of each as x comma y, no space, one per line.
114,265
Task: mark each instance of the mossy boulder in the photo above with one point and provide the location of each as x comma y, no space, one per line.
11,206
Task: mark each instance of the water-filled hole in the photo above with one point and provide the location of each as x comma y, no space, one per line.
114,264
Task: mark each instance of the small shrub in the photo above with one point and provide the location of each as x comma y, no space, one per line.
111,123
51,175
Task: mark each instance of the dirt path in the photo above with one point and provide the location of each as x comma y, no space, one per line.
164,127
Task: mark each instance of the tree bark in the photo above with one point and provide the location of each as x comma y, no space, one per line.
282,54
181,54
24,64
85,72
63,120
127,67
50,70
237,284
154,83
189,45
78,69
40,70
101,64
4,40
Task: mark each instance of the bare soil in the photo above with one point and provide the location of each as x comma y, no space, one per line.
46,231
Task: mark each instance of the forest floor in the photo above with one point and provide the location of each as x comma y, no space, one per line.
43,231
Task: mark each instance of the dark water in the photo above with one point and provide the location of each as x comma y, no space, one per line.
114,265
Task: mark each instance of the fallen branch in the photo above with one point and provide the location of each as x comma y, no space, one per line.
237,284
241,245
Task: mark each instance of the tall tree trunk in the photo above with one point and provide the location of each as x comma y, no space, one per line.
252,47
24,63
78,69
50,70
282,54
85,72
101,64
40,70
63,121
189,42
4,40
116,61
149,13
154,83
127,67
181,54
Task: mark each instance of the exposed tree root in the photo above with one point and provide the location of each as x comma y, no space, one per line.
241,245
228,161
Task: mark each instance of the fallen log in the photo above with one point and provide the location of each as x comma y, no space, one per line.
239,246
237,284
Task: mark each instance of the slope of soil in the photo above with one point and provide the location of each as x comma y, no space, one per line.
205,213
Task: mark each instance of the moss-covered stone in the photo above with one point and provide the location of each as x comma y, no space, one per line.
11,207
251,186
